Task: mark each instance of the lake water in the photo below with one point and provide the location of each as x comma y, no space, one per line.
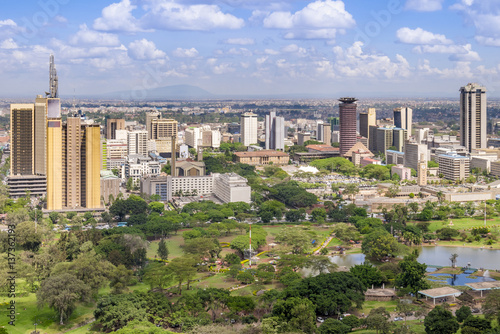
460,279
439,256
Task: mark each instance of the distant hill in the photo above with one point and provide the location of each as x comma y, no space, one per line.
176,92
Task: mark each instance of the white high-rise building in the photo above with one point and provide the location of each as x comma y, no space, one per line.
248,128
193,137
414,153
275,131
137,142
403,119
473,116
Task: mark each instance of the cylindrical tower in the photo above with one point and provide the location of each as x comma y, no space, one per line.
347,113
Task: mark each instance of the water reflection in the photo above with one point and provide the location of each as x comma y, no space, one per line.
459,279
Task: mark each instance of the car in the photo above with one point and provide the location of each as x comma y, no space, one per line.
475,310
398,319
320,319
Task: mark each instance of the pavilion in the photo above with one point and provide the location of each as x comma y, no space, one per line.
440,293
481,286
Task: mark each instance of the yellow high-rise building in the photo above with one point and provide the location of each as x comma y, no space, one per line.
22,125
92,184
54,165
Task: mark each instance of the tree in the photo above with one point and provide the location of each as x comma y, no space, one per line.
412,276
463,313
296,238
297,312
54,217
162,250
321,264
333,326
379,244
350,190
367,274
491,306
120,279
115,311
475,322
378,319
157,275
61,292
440,321
453,259
130,184
183,269
26,236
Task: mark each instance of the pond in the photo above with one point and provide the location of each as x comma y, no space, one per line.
439,256
460,279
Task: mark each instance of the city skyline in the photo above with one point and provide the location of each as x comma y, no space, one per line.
397,48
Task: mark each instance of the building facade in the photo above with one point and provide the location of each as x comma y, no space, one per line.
347,113
231,187
473,116
137,143
453,167
113,124
365,120
275,131
403,118
248,129
263,157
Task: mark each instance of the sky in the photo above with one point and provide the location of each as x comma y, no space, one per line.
329,48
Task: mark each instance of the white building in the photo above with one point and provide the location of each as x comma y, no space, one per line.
137,166
275,131
454,167
473,116
248,128
137,143
193,137
412,154
231,187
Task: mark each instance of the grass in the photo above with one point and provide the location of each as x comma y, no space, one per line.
463,223
369,305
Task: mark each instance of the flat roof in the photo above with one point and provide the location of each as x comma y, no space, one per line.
440,292
380,292
261,153
484,285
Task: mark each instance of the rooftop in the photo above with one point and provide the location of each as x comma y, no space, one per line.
484,285
322,148
263,153
440,292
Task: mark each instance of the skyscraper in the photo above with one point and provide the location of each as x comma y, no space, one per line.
248,129
347,113
137,143
113,124
365,120
150,116
403,119
473,116
275,131
22,139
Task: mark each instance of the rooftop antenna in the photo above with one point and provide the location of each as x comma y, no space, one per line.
53,80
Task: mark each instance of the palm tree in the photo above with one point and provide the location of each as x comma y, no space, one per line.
453,259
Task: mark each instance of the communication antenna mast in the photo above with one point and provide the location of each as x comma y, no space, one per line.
53,80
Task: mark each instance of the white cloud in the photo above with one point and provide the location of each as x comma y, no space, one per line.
488,41
8,44
318,14
118,17
420,36
468,56
271,52
144,50
239,41
85,36
353,62
60,19
424,5
185,53
173,16
318,20
7,23
440,49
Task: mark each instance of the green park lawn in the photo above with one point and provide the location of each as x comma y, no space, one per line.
463,223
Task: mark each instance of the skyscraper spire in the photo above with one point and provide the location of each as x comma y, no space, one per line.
53,83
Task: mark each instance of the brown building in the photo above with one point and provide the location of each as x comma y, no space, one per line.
347,113
263,157
113,124
22,149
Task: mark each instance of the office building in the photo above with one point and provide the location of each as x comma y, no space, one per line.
248,129
319,131
413,153
454,167
326,133
384,138
403,118
347,113
137,143
113,124
473,116
275,131
365,121
303,137
22,147
137,166
163,128
231,187
193,137
399,137
334,123
40,139
150,116
404,173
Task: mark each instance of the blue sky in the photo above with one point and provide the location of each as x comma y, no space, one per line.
362,48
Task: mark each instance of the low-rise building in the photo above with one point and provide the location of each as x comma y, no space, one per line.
231,187
110,185
264,157
137,166
403,172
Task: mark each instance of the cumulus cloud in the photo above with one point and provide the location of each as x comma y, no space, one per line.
488,41
424,5
239,41
440,49
467,56
144,50
118,17
484,15
353,62
7,23
318,20
173,16
185,53
85,36
8,44
420,36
